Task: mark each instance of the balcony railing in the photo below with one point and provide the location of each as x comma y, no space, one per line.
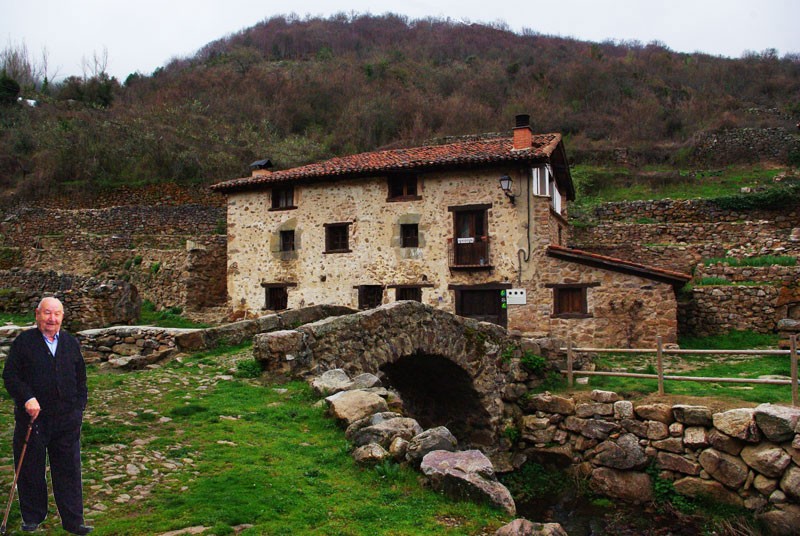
471,253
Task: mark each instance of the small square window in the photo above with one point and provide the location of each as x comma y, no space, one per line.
408,293
283,197
570,301
402,187
370,296
287,240
337,237
409,235
277,298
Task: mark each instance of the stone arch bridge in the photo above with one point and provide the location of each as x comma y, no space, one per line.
449,370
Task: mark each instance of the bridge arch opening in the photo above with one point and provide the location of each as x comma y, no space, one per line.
438,392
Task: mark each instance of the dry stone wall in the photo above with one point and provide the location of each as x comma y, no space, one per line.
715,310
747,457
88,302
174,255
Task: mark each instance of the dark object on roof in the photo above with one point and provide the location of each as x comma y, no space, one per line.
262,164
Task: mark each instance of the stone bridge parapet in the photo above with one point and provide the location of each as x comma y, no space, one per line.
452,357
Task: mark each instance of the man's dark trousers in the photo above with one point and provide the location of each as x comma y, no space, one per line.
59,436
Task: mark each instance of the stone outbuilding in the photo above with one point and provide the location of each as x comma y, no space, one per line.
478,227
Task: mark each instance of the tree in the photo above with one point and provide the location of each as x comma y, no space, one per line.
9,89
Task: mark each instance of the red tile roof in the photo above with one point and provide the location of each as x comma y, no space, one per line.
618,265
467,153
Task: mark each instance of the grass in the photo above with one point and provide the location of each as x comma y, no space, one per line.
596,184
252,452
166,318
17,319
763,260
702,365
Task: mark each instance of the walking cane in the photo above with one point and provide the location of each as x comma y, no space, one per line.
16,476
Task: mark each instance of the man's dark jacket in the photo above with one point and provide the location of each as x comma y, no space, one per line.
58,383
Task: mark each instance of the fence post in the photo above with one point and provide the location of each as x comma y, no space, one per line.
569,363
793,356
660,365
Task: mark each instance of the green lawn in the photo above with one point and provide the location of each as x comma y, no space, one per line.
250,453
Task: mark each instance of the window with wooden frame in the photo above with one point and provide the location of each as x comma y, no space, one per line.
370,296
570,301
337,237
403,187
276,295
287,240
408,293
409,235
282,198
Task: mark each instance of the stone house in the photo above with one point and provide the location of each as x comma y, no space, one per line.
476,227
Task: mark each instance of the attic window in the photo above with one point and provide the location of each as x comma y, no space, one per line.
283,198
403,188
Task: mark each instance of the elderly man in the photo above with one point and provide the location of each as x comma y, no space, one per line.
46,376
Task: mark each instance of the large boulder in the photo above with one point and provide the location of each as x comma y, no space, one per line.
466,475
699,487
331,382
655,412
549,403
350,406
768,459
383,433
623,453
371,454
692,415
630,486
370,420
674,462
729,470
777,422
790,483
438,438
782,522
739,423
523,527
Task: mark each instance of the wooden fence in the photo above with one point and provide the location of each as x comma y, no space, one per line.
661,377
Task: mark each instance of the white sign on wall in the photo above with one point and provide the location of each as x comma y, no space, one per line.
516,296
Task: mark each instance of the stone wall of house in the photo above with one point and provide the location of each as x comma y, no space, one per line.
748,457
88,302
376,256
517,243
624,311
174,255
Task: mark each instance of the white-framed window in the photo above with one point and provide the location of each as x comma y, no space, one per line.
541,180
555,195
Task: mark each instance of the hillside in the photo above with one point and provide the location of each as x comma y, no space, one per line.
298,90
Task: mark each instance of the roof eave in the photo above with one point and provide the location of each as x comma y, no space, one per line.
676,279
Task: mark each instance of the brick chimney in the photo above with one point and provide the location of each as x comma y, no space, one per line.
523,135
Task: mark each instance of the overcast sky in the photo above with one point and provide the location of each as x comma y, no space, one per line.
142,35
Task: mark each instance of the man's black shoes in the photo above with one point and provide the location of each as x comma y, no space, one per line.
80,530
29,527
